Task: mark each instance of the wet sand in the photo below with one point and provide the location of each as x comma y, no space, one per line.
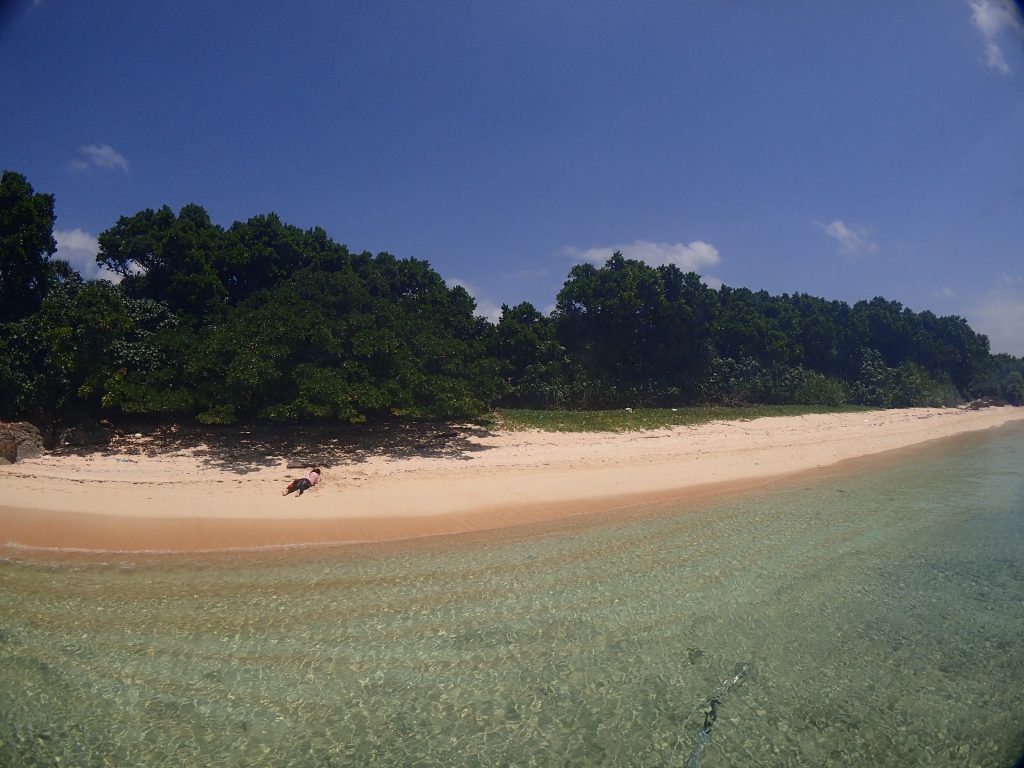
149,493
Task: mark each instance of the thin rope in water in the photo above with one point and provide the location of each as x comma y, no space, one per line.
710,705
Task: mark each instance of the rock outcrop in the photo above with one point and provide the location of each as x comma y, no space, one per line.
19,440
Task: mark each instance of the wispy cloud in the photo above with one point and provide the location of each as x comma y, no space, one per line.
1000,316
689,258
79,248
992,17
101,156
853,240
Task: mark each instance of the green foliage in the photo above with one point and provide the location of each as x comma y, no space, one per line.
535,366
732,381
746,381
875,385
905,386
636,330
819,389
158,386
63,353
266,321
747,327
308,331
26,244
19,370
218,414
1003,378
175,259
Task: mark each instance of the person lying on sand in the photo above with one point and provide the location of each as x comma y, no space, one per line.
303,483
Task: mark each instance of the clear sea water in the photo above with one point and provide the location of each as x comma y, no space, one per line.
868,617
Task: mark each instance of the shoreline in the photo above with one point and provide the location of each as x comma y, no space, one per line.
143,497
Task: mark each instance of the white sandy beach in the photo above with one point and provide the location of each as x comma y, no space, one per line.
137,498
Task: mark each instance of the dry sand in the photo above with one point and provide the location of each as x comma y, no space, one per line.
154,492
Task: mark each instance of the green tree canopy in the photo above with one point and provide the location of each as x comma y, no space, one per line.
634,328
26,245
176,259
264,320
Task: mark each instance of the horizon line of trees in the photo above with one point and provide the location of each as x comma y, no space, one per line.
265,321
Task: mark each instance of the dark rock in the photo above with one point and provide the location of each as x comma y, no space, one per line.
985,402
19,440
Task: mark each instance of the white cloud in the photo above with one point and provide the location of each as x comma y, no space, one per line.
689,258
853,240
99,156
711,282
484,306
992,17
988,16
1000,316
76,240
79,249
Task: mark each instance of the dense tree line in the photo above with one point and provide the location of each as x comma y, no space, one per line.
266,321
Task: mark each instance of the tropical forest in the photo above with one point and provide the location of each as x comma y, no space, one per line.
263,321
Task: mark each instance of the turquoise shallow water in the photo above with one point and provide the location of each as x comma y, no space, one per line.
879,613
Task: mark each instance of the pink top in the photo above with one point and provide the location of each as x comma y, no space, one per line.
313,477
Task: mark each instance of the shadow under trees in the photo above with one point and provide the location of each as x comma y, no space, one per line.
245,449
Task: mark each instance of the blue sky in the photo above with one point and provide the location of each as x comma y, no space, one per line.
846,150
